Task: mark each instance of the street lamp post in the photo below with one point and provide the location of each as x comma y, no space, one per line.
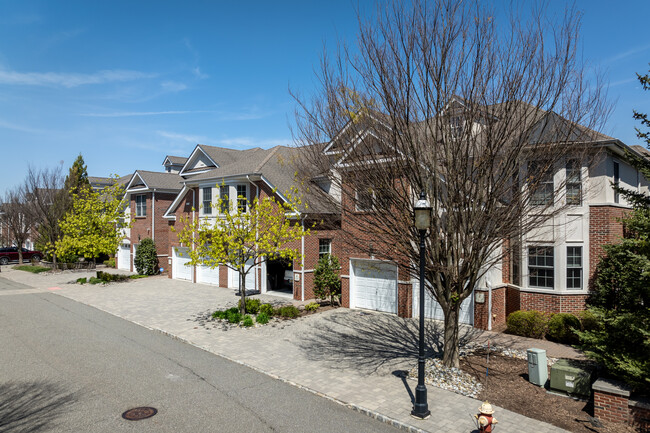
422,211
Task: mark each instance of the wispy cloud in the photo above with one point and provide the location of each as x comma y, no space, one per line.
144,113
173,86
198,74
628,53
69,80
20,128
234,142
621,82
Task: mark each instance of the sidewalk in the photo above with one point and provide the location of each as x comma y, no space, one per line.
353,357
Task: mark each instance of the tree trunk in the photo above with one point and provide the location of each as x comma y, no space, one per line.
450,356
20,255
242,292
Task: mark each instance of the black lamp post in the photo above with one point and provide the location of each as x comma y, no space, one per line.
422,211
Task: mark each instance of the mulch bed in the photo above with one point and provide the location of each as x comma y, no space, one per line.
508,387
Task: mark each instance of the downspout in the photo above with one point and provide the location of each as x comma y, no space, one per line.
489,286
302,264
153,215
193,220
257,195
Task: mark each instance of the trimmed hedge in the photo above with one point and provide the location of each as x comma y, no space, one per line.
532,323
562,327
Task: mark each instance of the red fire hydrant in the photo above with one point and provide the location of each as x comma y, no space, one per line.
486,422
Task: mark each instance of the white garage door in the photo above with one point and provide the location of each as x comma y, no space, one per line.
179,270
433,310
124,257
373,285
207,275
233,277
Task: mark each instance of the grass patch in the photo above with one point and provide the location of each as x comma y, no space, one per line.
32,269
136,277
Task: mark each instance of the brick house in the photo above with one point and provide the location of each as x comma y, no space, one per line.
147,197
549,271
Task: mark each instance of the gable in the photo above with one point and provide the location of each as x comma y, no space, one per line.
198,161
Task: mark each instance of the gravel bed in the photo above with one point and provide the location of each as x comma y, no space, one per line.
455,379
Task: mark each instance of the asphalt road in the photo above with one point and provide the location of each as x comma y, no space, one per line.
67,367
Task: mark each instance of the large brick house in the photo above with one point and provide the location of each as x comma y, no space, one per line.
549,271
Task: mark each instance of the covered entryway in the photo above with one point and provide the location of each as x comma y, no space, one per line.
279,275
124,257
179,269
233,277
207,275
433,310
373,285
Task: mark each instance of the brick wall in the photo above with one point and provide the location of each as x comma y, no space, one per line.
498,309
551,302
513,301
605,227
610,407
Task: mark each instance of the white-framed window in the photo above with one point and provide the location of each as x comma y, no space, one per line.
242,197
456,125
573,183
141,205
541,270
540,177
574,267
617,180
207,201
364,199
224,195
324,247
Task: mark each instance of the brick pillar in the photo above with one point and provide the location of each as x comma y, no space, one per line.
611,400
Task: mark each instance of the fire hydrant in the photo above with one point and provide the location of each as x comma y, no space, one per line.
486,422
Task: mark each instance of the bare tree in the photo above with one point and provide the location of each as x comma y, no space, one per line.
16,218
47,202
443,97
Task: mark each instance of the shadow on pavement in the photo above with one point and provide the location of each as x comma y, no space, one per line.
27,407
369,342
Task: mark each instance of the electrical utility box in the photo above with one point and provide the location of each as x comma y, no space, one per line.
537,367
572,378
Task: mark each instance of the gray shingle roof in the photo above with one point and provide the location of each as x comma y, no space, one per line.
157,180
176,160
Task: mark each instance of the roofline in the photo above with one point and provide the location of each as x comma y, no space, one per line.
174,204
198,147
133,177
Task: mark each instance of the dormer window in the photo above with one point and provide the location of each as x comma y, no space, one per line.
456,126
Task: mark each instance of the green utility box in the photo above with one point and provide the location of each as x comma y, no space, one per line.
572,378
537,366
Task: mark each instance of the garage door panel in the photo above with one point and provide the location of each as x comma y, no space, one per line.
181,271
124,257
433,310
375,285
250,277
207,275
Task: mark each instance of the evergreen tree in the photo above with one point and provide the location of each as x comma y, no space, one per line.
77,179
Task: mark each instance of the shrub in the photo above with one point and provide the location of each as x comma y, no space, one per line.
533,324
110,263
82,280
233,316
262,318
252,305
588,320
107,278
561,327
312,306
248,321
219,314
146,258
31,268
94,280
288,312
267,309
327,282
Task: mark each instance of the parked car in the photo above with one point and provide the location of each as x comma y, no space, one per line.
10,254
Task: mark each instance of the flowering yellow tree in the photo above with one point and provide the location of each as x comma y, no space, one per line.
93,226
244,234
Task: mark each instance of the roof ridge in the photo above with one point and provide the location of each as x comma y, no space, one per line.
273,152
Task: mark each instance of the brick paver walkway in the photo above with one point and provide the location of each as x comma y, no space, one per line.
353,357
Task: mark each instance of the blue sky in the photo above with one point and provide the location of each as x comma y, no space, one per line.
127,82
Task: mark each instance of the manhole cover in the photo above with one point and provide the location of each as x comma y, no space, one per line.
138,413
